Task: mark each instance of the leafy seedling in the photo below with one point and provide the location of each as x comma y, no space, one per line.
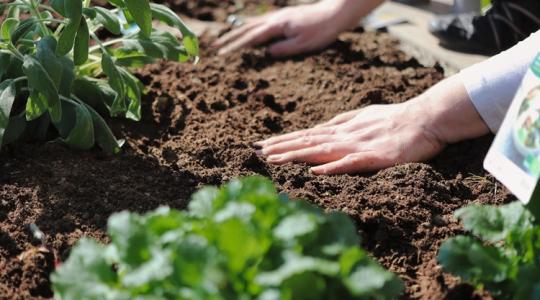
502,256
56,74
243,241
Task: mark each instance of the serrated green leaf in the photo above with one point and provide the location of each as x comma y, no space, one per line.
40,80
7,97
495,223
201,202
141,13
80,48
95,280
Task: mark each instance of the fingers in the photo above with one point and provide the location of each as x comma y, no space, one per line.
296,135
297,144
339,119
253,36
288,47
353,163
319,154
235,33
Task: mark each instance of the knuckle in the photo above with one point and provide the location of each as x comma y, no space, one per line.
325,148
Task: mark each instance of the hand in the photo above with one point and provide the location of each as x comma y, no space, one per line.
382,136
363,140
304,28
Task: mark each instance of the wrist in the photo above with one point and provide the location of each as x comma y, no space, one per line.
450,112
346,14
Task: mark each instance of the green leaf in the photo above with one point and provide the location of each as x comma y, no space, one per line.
40,80
73,9
58,5
103,135
76,126
159,45
23,29
169,17
50,62
470,260
80,48
495,223
372,281
116,81
36,106
68,76
7,97
117,3
15,129
140,10
132,59
295,226
201,202
5,60
133,93
108,19
67,37
8,27
86,274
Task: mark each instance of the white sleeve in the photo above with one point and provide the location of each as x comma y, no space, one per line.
493,83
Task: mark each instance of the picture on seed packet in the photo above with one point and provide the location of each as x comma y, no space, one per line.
514,157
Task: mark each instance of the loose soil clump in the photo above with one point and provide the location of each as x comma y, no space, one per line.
199,123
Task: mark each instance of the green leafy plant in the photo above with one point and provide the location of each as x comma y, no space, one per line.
243,241
504,255
55,73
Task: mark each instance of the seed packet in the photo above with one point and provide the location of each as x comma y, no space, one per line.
514,157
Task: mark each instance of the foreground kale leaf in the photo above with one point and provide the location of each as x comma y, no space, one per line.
57,77
504,255
243,241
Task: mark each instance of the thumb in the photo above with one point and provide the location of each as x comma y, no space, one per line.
288,47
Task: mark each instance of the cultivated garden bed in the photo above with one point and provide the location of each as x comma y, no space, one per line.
198,124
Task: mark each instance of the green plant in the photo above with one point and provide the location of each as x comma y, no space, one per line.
243,241
504,257
54,70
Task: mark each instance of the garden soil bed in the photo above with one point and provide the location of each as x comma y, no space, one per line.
198,126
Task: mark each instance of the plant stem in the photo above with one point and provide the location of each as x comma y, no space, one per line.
35,12
107,43
20,79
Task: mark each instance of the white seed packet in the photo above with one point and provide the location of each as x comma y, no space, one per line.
514,157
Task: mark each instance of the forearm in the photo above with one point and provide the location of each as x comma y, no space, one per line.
350,12
493,83
450,113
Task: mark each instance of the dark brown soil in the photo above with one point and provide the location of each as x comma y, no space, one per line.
219,10
199,122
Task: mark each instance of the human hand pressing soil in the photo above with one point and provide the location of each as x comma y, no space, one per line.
382,136
304,28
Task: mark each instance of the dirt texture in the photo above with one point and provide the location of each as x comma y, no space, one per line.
197,129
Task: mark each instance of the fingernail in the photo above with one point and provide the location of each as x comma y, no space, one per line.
274,158
259,144
316,171
258,152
